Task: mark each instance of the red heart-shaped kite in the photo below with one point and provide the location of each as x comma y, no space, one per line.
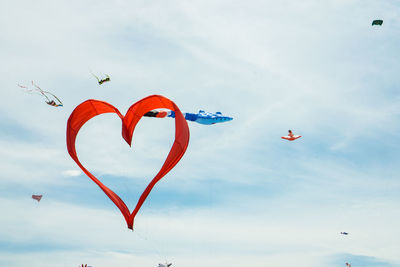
91,108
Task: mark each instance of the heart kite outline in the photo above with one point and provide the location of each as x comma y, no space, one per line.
92,108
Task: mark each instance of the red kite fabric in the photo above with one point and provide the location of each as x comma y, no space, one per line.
92,108
291,138
37,197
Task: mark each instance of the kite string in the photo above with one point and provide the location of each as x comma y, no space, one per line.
159,254
45,92
141,236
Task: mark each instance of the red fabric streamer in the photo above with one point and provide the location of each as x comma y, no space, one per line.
92,108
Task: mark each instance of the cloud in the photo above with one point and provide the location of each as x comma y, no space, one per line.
279,232
240,196
361,260
71,173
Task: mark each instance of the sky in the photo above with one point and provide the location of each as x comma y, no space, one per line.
240,196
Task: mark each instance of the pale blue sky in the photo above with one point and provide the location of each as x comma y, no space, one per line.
240,196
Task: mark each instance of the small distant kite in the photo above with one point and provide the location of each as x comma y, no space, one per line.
164,265
101,81
202,117
37,197
377,22
344,233
348,264
51,99
291,136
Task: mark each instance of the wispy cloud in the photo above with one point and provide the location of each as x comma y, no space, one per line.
72,173
240,196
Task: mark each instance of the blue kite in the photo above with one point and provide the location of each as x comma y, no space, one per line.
202,117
